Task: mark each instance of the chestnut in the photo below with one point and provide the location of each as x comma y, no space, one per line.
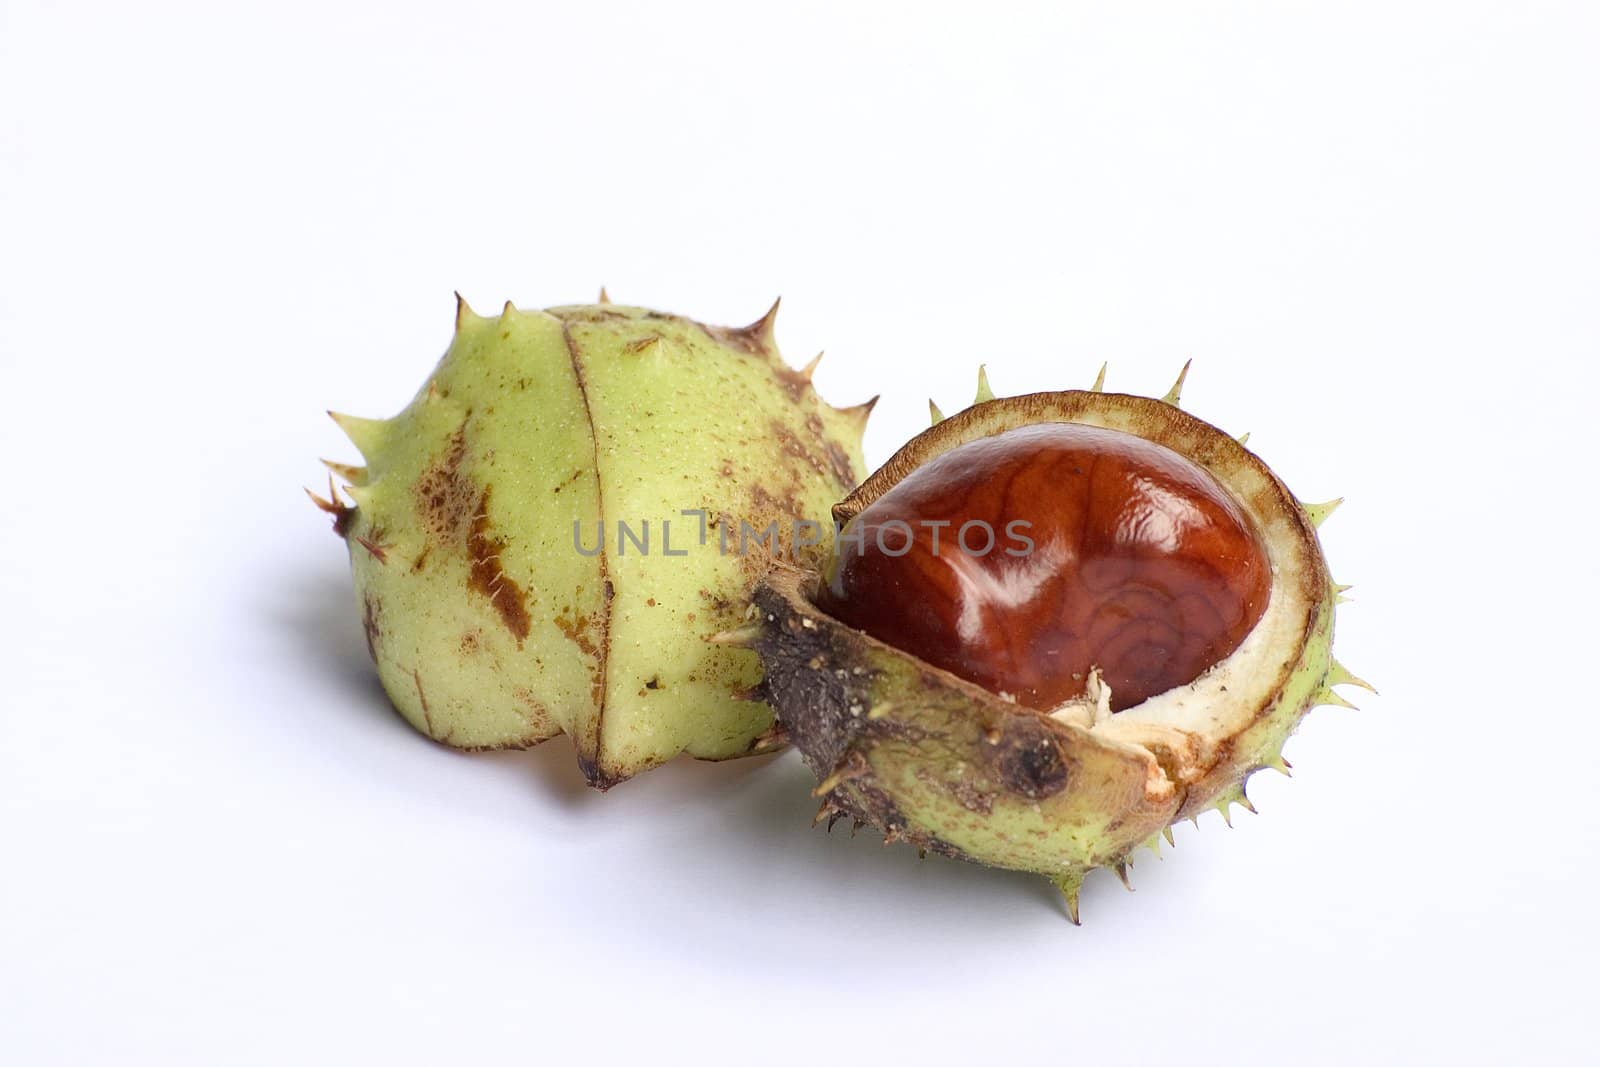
1025,560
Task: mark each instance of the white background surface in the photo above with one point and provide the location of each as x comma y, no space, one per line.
1373,227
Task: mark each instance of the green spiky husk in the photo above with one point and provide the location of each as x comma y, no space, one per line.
488,626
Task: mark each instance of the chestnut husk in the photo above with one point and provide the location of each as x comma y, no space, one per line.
490,623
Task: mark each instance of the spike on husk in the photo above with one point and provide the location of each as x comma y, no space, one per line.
859,414
985,393
763,331
1070,885
1120,869
1318,513
1328,698
366,434
350,473
332,505
1176,392
1339,674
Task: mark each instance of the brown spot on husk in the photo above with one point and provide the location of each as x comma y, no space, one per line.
1028,759
529,706
839,460
577,631
422,698
794,382
765,507
446,499
795,448
489,578
969,796
371,609
599,651
454,511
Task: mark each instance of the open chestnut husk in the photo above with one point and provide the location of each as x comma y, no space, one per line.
1150,620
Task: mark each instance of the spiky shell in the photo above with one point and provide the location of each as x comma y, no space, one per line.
949,767
495,616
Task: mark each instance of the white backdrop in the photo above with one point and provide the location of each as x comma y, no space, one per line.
1374,227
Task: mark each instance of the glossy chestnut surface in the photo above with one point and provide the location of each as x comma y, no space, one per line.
1023,560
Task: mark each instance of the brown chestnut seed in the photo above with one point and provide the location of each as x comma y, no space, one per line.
1023,561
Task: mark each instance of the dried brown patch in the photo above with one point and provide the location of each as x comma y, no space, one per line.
446,499
766,506
577,631
529,706
795,383
970,796
795,448
838,459
453,510
487,576
1029,760
843,470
